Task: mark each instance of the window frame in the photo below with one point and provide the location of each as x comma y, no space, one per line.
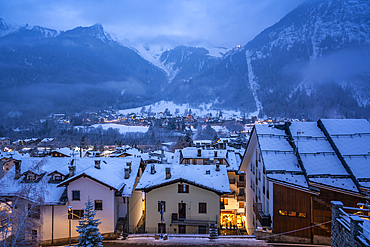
98,202
202,208
73,195
183,188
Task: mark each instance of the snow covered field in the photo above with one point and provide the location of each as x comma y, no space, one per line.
123,128
202,110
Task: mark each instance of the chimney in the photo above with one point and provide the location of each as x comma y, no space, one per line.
215,153
152,169
199,152
181,156
72,170
127,173
97,164
129,166
168,172
218,167
17,168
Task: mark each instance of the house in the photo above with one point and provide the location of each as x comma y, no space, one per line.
6,164
182,198
4,141
294,170
62,152
233,210
52,186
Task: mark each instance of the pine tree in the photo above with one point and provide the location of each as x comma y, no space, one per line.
88,228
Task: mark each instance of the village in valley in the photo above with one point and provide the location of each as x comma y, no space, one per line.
275,180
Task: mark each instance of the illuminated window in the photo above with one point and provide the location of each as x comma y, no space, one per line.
292,214
77,214
302,215
283,212
226,201
241,204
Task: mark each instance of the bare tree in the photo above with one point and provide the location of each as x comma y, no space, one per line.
20,209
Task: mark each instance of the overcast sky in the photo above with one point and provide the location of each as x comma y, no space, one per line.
209,23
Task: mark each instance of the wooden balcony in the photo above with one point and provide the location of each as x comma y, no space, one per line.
240,184
197,221
232,180
241,198
265,220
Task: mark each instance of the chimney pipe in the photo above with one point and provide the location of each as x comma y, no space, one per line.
127,173
168,172
97,164
199,152
129,166
72,170
218,167
152,169
17,168
215,153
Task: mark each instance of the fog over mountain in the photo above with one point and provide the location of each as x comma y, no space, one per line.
315,62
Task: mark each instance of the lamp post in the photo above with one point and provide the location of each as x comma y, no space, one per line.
69,218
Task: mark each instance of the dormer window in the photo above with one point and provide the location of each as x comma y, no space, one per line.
31,177
58,178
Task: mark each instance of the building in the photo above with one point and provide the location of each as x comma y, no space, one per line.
50,186
233,209
294,170
183,198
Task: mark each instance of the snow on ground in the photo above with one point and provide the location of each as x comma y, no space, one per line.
186,241
123,128
202,110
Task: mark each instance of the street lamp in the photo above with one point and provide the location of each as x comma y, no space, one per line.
69,218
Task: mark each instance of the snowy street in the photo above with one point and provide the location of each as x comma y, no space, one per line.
148,241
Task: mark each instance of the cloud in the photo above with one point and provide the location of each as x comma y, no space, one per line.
215,22
339,66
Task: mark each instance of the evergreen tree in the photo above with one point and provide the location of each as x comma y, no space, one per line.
88,228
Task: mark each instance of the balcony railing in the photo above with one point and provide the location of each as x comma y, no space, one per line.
191,220
240,184
241,197
265,220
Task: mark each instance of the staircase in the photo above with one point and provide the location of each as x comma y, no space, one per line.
121,226
140,227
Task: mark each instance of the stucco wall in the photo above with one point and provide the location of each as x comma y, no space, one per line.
170,195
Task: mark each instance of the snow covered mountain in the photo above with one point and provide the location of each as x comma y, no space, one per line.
313,63
181,62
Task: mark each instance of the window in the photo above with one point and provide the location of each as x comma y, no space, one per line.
160,205
194,161
187,162
205,162
241,191
241,204
161,227
292,214
77,214
58,177
208,172
302,215
202,208
34,211
75,195
98,205
183,188
34,234
241,178
226,201
283,212
182,229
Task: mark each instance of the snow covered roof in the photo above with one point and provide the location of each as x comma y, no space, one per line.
111,172
66,151
232,158
217,181
321,163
